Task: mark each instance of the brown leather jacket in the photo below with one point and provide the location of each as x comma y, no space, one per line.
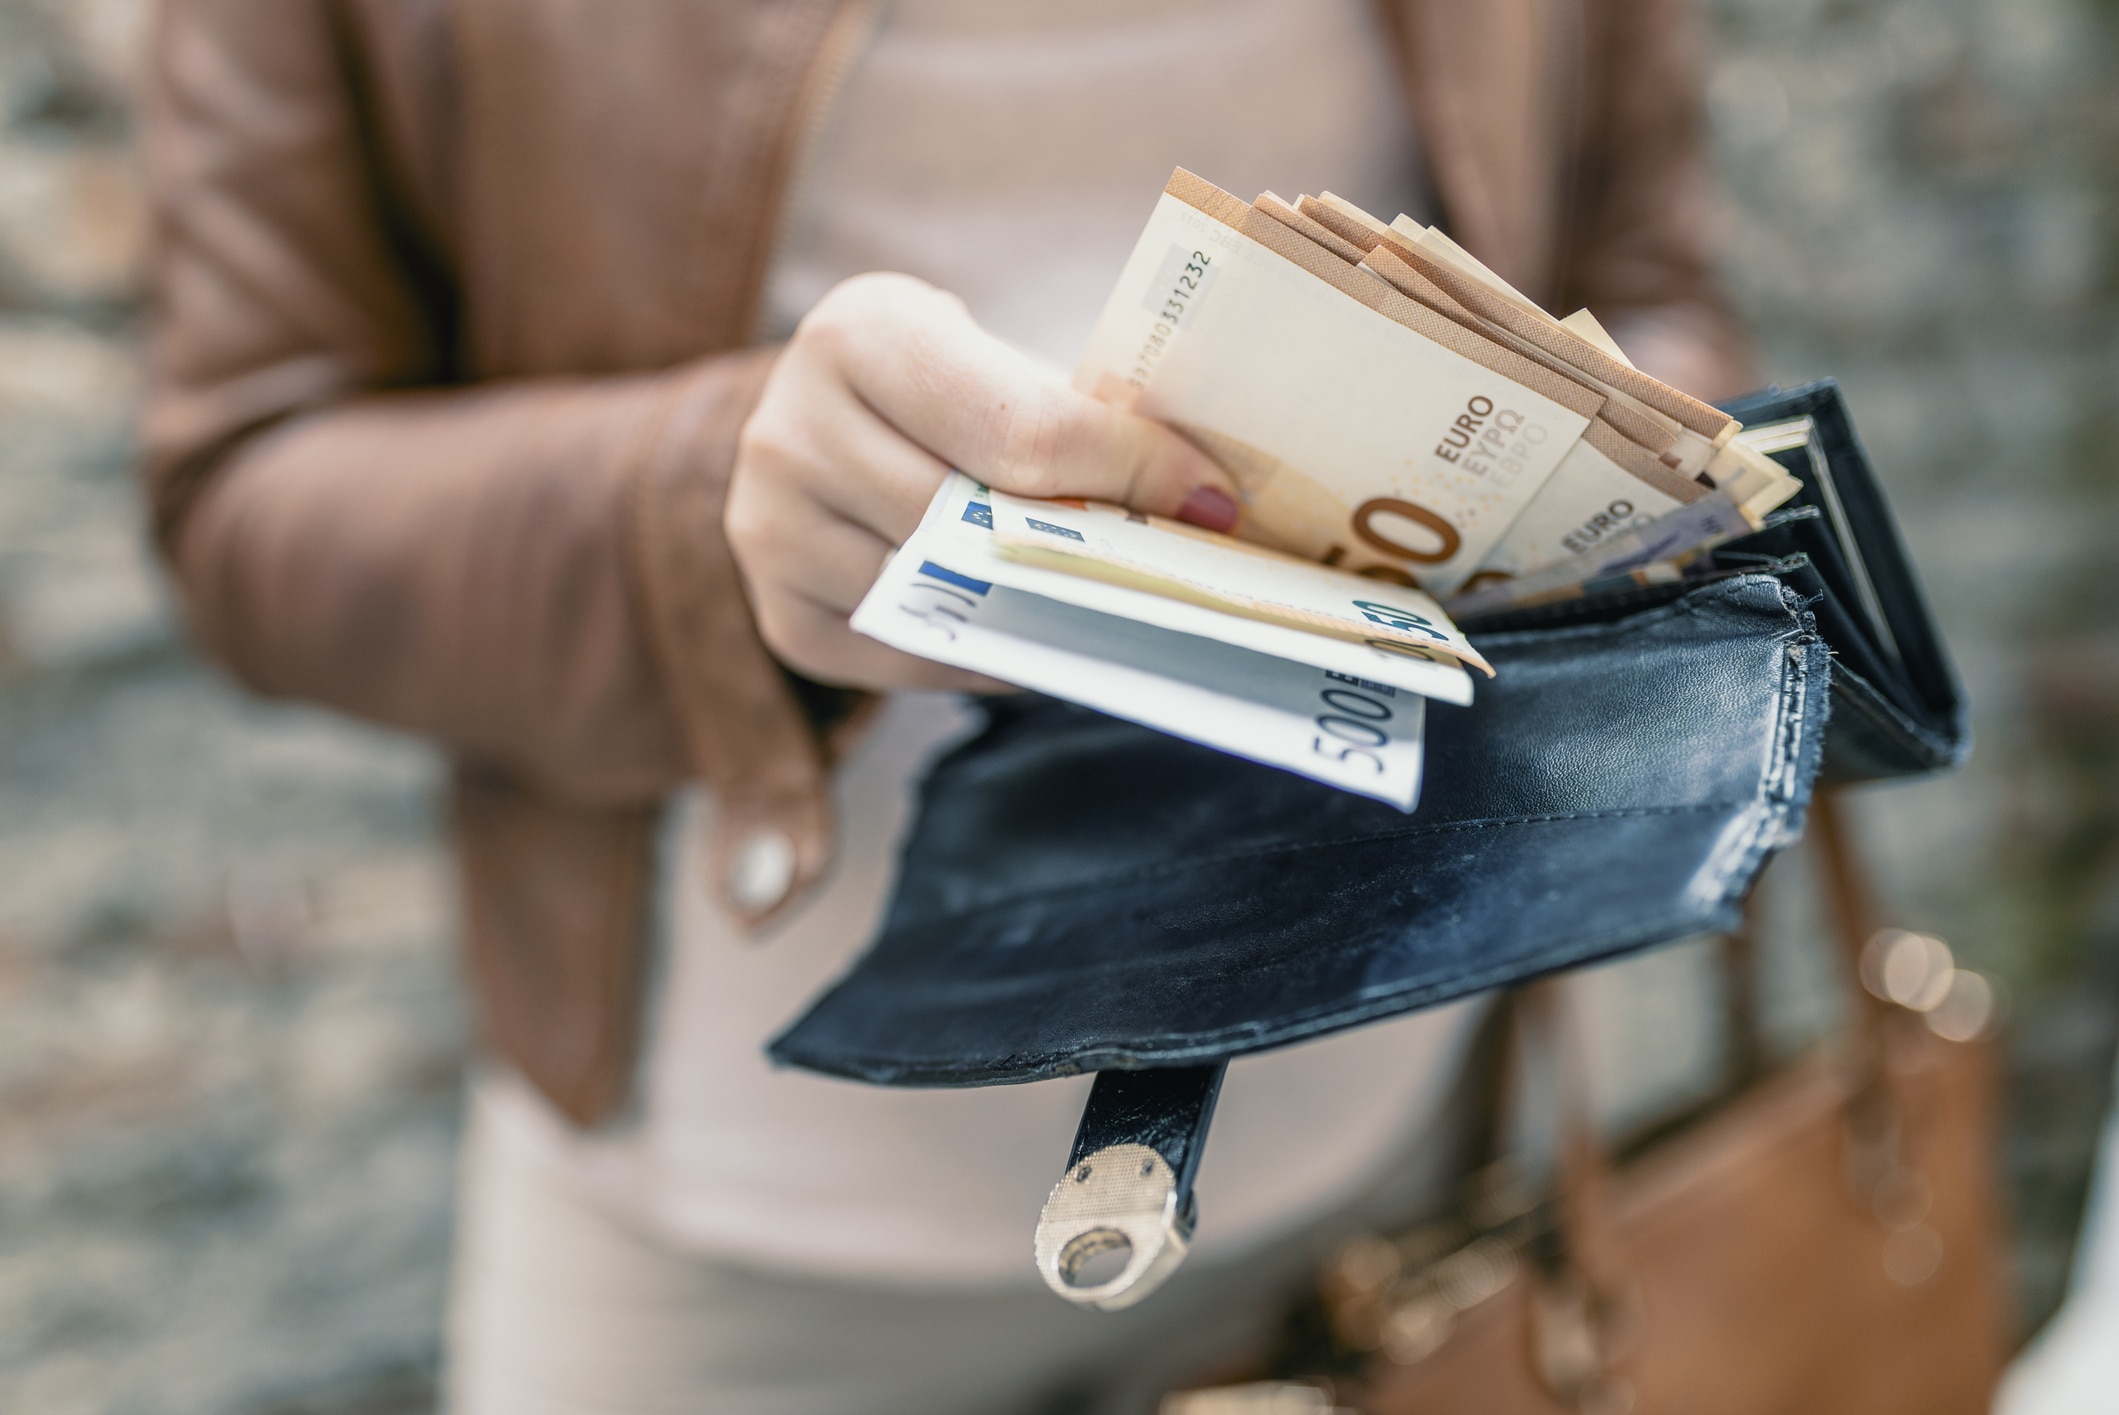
453,336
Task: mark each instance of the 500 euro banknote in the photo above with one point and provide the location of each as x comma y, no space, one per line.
935,598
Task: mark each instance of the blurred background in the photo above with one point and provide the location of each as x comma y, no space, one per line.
231,1038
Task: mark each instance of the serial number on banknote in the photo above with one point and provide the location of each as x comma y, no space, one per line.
1182,279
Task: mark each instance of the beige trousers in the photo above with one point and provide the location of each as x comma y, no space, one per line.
562,1308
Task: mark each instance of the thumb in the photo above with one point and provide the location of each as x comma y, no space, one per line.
1069,444
979,404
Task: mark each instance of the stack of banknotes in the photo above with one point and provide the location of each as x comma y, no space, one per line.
1411,440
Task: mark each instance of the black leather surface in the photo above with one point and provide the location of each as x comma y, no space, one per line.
1080,893
1169,1109
1898,710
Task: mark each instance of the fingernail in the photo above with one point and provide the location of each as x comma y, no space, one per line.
1209,507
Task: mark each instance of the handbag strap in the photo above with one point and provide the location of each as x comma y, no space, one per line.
1583,1316
1851,909
1582,1312
1744,1052
1880,1170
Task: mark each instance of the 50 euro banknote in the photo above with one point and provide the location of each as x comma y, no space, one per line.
1651,450
1365,430
1170,561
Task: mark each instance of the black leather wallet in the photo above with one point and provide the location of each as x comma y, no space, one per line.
1897,707
1079,893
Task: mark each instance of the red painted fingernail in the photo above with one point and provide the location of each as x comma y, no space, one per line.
1209,507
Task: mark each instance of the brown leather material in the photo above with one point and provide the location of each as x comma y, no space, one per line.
1752,1284
1566,144
1489,82
1639,195
740,732
622,172
538,877
451,301
1824,1241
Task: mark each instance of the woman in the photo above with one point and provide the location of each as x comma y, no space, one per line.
521,379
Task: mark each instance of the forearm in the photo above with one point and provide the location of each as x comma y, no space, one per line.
469,566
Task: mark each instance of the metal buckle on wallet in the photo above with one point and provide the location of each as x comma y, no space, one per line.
1120,1219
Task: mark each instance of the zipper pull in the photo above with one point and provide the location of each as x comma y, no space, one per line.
1121,1218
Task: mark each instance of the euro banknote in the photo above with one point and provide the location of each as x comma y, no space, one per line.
1693,438
1310,349
1364,430
960,527
1661,548
1176,561
1604,487
1358,734
1411,438
1679,448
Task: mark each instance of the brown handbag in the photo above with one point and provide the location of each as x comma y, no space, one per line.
1821,1241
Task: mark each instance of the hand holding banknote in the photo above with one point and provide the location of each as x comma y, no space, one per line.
886,386
1408,438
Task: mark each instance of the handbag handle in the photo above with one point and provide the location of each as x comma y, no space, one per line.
1583,1313
1880,1175
1584,1316
1881,1178
1876,1028
1851,908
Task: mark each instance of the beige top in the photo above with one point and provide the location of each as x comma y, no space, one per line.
1009,152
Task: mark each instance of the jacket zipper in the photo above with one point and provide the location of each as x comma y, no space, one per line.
845,41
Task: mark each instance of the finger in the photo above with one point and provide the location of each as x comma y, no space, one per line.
804,620
862,469
921,362
833,566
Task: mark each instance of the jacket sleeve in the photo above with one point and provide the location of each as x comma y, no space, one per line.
533,572
1642,212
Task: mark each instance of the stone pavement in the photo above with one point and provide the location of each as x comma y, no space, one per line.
231,1038
230,1033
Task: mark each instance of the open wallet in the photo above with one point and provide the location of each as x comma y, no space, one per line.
1897,708
1080,894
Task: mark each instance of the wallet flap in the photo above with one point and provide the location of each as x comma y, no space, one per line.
1878,602
1838,547
1079,893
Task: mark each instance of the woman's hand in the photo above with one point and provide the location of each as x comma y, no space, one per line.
886,386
